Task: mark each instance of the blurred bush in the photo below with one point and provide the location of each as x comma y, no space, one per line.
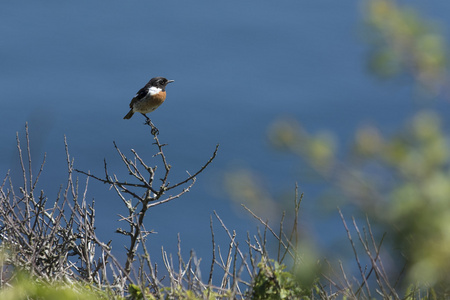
404,43
25,287
400,181
413,200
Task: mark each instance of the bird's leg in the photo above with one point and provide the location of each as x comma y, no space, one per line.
155,130
148,121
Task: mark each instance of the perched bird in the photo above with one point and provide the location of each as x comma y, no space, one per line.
149,98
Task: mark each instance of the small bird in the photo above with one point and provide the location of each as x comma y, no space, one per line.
149,98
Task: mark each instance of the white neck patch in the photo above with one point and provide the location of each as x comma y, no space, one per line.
154,90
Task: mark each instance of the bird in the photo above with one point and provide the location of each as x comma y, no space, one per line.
149,98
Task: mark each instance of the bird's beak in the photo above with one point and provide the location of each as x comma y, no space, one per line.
169,81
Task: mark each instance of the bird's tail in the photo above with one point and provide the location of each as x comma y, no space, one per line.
129,114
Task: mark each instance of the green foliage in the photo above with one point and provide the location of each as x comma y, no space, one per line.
400,181
418,161
25,287
181,294
403,42
273,282
319,148
135,293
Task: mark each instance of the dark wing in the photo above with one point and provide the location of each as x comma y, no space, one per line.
141,94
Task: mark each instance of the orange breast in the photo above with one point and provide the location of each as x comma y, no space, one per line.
149,103
159,98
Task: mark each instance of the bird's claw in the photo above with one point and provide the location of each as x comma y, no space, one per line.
155,130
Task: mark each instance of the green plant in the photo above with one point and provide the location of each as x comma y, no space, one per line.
273,282
25,287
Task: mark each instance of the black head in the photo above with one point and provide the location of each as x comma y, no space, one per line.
159,82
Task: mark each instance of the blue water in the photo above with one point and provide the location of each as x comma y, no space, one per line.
72,68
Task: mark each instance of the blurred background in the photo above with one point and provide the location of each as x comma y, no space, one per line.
349,100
